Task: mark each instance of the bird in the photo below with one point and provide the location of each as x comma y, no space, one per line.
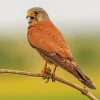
49,42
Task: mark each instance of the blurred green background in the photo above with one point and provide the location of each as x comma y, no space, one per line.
16,53
78,20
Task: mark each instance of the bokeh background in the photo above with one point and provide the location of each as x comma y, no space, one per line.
79,21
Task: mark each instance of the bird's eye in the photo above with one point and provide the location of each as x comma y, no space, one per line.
36,12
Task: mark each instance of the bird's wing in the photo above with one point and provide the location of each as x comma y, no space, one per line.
47,37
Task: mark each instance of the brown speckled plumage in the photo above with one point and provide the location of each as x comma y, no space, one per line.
49,42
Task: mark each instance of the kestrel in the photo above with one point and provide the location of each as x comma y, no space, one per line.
44,36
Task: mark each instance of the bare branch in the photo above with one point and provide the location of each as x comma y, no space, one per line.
84,91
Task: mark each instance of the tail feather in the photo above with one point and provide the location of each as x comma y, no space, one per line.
84,79
75,70
71,66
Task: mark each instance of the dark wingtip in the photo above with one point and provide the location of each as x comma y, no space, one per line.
93,87
84,79
88,83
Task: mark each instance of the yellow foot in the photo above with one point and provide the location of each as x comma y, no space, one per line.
43,71
48,75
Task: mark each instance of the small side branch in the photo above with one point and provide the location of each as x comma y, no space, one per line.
81,89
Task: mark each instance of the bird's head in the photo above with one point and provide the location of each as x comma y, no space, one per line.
36,15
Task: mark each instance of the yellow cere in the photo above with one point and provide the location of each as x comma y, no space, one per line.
30,13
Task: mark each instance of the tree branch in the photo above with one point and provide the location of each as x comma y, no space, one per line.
84,91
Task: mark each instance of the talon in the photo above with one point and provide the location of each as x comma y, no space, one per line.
46,72
42,72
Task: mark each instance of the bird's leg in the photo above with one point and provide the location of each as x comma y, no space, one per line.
53,73
46,72
44,69
54,69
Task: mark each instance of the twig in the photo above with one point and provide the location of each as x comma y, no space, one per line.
81,89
